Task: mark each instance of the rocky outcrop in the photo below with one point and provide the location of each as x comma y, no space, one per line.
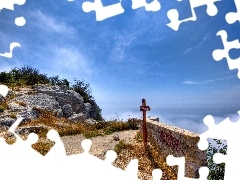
57,99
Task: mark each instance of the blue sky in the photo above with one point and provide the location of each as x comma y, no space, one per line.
127,57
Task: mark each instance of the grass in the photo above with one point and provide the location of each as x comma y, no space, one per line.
120,146
148,158
3,106
65,128
22,103
43,147
12,115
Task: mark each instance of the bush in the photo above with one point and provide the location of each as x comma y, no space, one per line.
12,115
2,108
216,170
121,145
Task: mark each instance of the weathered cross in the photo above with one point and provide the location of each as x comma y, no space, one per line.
144,108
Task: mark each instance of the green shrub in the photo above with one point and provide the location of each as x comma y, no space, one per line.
121,145
139,137
216,171
12,115
2,108
133,123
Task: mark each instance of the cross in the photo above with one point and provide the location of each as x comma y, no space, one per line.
144,108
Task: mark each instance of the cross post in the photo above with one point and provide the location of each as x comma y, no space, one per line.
144,108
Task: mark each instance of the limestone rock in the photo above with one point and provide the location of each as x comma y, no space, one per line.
80,117
116,137
1,98
90,121
28,101
67,110
153,118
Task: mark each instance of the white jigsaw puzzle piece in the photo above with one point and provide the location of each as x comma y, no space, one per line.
92,167
232,17
12,46
173,14
18,155
229,131
103,12
3,90
9,4
219,54
153,6
157,174
58,149
180,162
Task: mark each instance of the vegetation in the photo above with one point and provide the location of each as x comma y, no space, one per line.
3,106
29,76
48,120
64,127
12,115
148,157
120,146
216,170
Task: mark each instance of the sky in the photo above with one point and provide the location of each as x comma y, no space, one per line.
129,56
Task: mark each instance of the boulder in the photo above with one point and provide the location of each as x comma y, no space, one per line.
28,103
1,98
77,118
116,137
90,121
152,118
67,110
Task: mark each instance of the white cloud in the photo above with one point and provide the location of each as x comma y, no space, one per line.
121,44
205,82
206,37
48,23
70,58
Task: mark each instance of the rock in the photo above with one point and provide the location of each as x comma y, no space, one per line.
28,115
90,121
116,137
28,103
30,129
67,110
88,107
77,118
152,118
14,106
6,123
1,98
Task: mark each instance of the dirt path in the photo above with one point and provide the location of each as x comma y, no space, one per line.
100,144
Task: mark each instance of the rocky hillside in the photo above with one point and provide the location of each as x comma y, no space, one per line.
27,102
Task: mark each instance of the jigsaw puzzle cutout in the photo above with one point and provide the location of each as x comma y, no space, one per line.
224,130
180,162
9,54
173,14
19,21
219,54
9,4
153,6
56,164
102,12
232,17
3,90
